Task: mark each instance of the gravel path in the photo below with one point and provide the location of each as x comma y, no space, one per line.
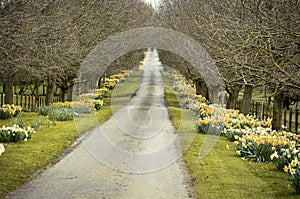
135,154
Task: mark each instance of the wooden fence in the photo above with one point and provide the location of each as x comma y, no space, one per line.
290,118
27,102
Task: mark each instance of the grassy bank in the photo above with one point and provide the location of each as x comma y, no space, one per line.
23,160
221,174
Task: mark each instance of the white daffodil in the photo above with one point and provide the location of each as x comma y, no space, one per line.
2,149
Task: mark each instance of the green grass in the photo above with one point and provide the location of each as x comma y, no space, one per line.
22,161
221,174
122,93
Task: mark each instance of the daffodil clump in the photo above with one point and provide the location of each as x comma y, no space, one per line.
63,104
15,133
85,103
98,104
293,170
113,80
58,111
63,111
211,117
101,93
8,111
254,139
186,92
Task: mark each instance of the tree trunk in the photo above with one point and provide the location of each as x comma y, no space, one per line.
213,95
70,93
222,98
8,84
62,94
233,96
198,86
201,88
44,90
247,97
15,89
85,87
50,92
36,96
277,111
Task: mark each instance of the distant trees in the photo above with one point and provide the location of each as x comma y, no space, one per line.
44,42
255,44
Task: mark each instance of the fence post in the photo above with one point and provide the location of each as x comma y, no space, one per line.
2,101
259,111
290,119
32,103
296,121
263,111
21,101
29,102
256,109
284,117
44,101
25,101
17,99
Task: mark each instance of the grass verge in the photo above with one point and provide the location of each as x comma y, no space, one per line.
221,174
23,160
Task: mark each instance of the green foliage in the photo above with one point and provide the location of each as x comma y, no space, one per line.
61,114
15,133
260,152
39,122
202,127
295,179
56,113
232,135
18,121
45,110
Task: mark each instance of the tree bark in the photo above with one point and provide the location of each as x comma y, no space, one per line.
247,97
44,90
8,85
70,93
233,96
62,94
277,111
50,92
85,87
213,95
201,88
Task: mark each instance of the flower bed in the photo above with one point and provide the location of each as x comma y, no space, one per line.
85,103
63,111
8,111
15,133
101,93
254,139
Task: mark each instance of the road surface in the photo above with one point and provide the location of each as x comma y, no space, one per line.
135,154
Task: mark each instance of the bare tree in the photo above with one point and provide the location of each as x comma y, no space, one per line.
48,40
254,43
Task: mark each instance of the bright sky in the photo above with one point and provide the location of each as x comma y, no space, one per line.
154,3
